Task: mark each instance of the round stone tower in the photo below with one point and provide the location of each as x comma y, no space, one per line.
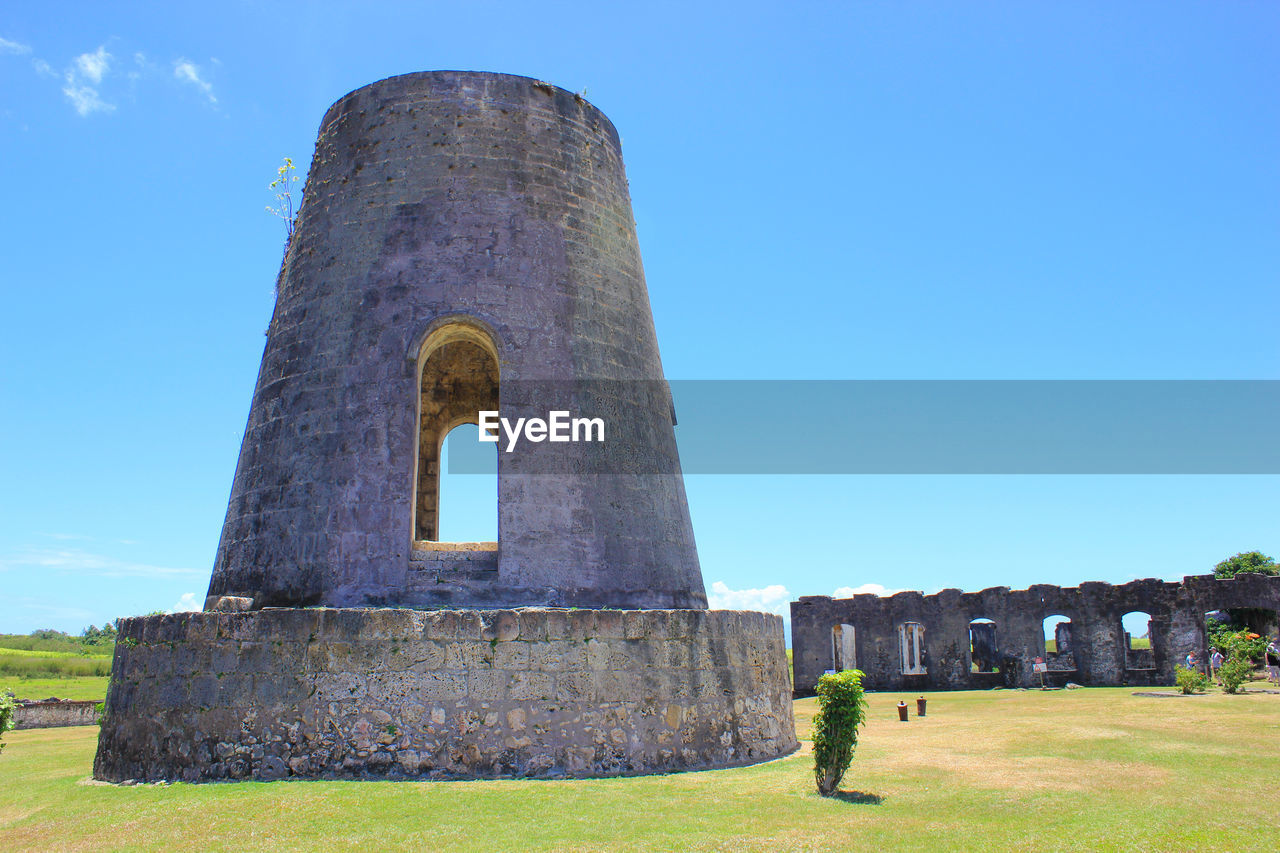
465,244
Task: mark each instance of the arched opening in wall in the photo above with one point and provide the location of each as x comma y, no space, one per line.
1058,653
1222,630
844,652
984,652
1137,640
468,491
458,379
911,648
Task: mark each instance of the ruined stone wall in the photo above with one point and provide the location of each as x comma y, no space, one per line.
1099,653
447,694
54,714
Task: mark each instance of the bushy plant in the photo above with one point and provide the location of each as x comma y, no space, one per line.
1253,562
842,709
1190,680
6,716
1235,672
1244,645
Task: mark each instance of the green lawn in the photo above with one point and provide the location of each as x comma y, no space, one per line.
993,770
88,687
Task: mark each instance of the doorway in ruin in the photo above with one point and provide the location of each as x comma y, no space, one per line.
1138,634
844,652
468,490
911,648
984,652
1059,654
458,378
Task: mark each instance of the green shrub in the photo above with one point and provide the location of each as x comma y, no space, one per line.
6,716
1189,680
841,710
1234,673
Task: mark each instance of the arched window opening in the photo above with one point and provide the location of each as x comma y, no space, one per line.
458,370
844,653
468,491
984,653
1137,640
1058,651
911,648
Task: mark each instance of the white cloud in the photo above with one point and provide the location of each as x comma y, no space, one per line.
864,589
771,599
82,79
43,68
7,46
93,66
188,72
86,100
187,603
77,561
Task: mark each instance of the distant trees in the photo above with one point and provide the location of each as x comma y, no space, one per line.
104,636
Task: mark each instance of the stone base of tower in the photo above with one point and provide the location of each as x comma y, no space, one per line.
454,694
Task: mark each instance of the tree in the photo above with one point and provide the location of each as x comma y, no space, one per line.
1248,561
95,636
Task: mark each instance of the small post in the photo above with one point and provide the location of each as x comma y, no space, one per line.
920,702
902,711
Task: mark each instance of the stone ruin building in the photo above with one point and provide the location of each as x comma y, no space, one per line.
465,244
965,640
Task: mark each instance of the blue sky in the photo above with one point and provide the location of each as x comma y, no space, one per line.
822,191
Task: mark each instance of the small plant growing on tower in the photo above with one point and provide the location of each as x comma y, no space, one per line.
842,709
283,187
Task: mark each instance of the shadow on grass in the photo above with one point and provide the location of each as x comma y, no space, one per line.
858,798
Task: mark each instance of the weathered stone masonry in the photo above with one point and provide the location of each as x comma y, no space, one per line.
1097,655
399,693
54,713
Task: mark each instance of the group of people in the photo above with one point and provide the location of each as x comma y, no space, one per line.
1216,660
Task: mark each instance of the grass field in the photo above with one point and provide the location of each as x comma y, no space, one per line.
89,687
53,668
1095,769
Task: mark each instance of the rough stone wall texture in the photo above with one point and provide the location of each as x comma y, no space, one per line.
1099,653
54,714
395,693
500,202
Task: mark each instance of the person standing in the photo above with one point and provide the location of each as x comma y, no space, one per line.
1273,661
1215,663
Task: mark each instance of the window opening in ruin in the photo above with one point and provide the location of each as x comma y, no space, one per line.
468,491
984,654
458,378
911,648
1058,653
1137,640
844,653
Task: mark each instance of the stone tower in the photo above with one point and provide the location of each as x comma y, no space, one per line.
465,243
